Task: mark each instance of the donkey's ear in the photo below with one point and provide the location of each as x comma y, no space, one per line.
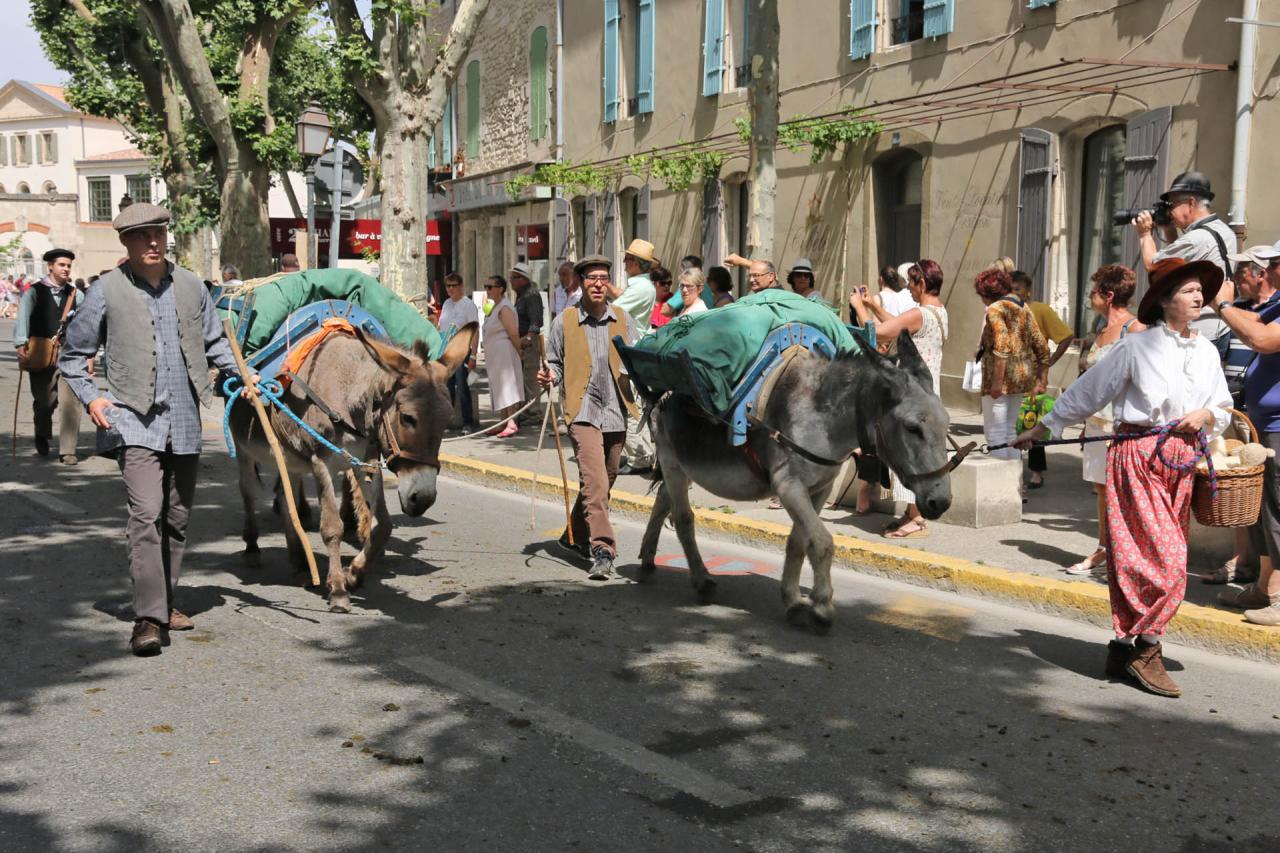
877,358
459,348
909,360
388,358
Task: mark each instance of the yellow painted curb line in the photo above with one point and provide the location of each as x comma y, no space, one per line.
1195,625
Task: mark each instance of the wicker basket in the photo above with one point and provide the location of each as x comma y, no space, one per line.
1239,491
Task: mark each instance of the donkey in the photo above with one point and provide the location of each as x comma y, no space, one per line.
818,409
381,400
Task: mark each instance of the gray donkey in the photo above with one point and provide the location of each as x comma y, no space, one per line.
826,409
381,400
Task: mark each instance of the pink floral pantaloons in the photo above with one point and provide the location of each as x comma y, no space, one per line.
1148,510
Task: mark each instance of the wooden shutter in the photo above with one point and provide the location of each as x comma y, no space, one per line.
538,83
446,133
862,28
713,48
53,148
1035,199
562,235
1040,4
642,213
939,17
610,247
431,151
712,223
589,226
1146,162
644,56
611,26
473,108
4,150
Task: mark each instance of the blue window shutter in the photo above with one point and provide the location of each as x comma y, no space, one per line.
1040,4
862,28
431,152
713,48
611,21
446,132
939,17
644,57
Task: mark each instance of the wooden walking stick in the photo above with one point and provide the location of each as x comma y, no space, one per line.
265,420
555,430
17,395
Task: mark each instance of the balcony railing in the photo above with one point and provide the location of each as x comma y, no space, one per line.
742,75
907,28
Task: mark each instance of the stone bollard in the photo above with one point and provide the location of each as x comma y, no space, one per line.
985,492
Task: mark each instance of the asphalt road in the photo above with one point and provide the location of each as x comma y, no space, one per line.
484,696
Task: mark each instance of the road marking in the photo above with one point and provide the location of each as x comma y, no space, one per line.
49,502
926,616
669,772
716,565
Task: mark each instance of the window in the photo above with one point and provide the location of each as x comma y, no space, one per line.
473,108
4,151
906,20
538,84
713,47
642,62
138,187
1101,242
737,215
48,147
21,150
99,199
23,189
898,195
739,12
26,263
49,188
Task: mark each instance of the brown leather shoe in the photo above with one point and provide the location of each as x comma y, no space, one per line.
1146,663
1118,659
147,638
180,621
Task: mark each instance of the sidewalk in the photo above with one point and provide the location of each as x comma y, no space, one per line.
1021,562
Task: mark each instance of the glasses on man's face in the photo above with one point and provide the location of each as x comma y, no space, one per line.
599,279
758,275
452,286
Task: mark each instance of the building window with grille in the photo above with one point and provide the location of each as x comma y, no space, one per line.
22,150
1101,241
99,199
138,187
48,147
906,20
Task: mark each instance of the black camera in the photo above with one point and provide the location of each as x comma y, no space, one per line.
1160,214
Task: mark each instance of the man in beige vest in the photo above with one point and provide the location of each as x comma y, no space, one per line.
597,402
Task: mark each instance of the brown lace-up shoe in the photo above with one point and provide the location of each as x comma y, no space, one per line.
147,638
180,621
1146,663
1118,659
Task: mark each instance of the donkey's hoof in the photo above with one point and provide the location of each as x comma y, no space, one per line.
252,557
646,570
799,613
339,604
822,618
706,589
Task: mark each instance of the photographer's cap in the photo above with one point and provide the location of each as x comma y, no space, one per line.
1260,255
1192,183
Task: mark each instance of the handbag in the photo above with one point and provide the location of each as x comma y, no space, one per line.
972,376
42,353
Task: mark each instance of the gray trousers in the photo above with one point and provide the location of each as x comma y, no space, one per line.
49,392
529,363
160,489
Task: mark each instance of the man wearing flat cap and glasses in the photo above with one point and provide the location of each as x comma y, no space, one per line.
161,333
41,316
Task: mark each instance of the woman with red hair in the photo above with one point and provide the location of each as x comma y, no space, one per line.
1014,355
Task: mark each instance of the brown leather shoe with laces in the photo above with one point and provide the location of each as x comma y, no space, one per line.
147,638
180,621
1146,663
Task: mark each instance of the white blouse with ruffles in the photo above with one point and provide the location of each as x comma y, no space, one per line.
1151,379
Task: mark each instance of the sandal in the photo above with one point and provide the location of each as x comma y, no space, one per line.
1230,572
511,430
774,503
915,528
1088,564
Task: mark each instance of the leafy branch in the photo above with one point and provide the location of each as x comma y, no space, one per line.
822,135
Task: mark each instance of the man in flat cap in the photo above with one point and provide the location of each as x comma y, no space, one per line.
597,400
41,316
161,333
529,326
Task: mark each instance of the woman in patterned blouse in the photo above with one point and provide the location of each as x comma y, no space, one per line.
1015,359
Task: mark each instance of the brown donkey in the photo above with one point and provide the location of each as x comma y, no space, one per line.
373,400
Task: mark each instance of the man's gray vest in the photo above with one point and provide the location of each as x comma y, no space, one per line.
131,338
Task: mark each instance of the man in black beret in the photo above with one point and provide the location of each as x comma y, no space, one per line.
41,316
161,333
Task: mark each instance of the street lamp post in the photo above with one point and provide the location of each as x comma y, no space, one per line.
313,128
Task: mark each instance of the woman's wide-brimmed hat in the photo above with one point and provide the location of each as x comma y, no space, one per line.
1168,274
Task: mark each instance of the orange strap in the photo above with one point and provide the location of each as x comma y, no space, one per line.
297,355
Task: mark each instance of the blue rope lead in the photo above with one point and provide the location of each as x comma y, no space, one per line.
271,389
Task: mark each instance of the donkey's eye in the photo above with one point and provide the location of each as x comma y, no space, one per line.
408,421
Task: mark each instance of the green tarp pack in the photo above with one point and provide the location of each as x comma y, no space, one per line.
276,300
722,343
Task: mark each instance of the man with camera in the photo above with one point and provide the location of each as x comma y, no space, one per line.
1205,237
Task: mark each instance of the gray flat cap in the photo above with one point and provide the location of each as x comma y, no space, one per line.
140,215
592,261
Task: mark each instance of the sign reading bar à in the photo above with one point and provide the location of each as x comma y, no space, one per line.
356,236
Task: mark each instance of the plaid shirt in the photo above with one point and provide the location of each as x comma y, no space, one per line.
173,421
